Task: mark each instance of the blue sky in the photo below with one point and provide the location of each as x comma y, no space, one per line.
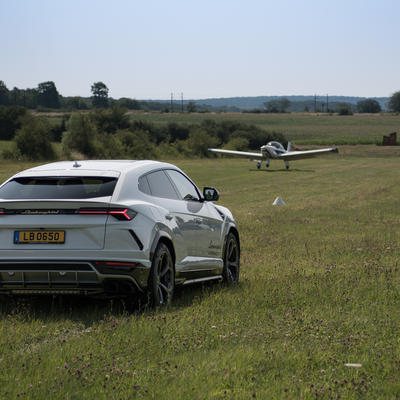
148,49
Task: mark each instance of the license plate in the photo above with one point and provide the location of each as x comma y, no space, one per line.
21,237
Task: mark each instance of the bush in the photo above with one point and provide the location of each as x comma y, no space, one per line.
107,147
394,102
136,145
11,153
258,137
80,135
199,141
110,120
173,150
156,134
237,143
144,140
344,109
33,139
58,129
130,104
368,106
10,121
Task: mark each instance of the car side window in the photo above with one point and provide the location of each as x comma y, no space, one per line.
186,189
160,185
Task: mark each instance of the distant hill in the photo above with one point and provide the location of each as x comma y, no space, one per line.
298,103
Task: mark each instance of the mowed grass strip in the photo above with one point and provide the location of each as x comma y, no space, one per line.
319,288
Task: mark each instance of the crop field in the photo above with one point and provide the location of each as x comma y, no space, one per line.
319,289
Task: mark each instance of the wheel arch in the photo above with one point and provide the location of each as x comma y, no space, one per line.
235,232
163,237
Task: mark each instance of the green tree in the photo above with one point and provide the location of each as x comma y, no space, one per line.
23,97
130,104
99,95
368,106
30,98
277,106
33,139
344,109
74,103
4,93
16,96
394,102
10,121
47,95
191,107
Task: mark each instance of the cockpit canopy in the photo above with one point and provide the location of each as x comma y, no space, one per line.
277,145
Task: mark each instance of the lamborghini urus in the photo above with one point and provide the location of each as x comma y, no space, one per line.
112,229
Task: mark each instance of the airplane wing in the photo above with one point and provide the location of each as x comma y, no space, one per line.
299,155
238,153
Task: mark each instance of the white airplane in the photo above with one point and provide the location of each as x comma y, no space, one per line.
275,151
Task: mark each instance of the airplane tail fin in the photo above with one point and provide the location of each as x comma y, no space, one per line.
288,146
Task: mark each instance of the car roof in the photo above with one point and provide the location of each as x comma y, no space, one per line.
93,167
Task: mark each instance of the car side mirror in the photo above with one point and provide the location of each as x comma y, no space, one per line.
210,194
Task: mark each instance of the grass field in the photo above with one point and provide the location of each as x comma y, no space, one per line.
319,288
321,129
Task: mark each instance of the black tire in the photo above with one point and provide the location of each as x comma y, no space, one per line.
162,277
231,269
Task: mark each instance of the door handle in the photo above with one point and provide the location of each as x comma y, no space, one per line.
169,217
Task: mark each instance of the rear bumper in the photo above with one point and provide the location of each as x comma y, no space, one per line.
75,277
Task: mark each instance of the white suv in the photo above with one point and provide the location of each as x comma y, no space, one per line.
112,228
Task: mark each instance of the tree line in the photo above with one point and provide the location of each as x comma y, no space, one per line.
369,106
46,96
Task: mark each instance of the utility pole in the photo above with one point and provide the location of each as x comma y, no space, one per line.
327,103
315,103
172,102
182,101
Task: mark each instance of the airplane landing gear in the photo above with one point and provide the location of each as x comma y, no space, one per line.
258,165
267,163
287,164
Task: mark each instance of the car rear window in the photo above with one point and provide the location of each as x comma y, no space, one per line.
83,187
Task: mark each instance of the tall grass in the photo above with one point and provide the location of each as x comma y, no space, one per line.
319,288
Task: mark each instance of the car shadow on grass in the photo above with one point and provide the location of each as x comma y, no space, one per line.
89,311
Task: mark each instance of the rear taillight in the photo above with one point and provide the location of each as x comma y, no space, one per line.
123,214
